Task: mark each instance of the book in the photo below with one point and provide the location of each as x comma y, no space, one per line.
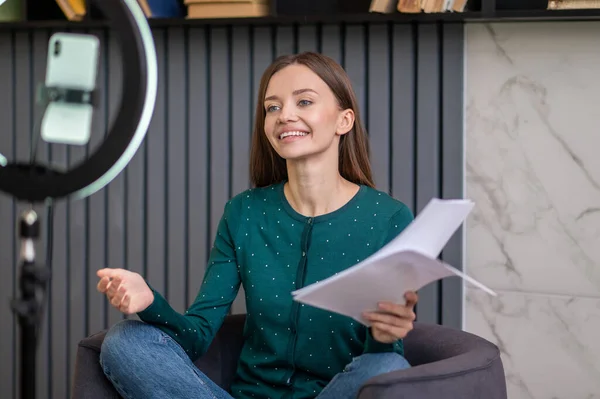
227,8
74,10
407,263
459,5
409,6
383,6
163,8
573,4
145,8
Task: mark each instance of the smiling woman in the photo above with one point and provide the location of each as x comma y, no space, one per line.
302,92
312,214
310,116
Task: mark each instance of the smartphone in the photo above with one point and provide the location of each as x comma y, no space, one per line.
72,63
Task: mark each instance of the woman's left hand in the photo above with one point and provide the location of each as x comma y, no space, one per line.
392,321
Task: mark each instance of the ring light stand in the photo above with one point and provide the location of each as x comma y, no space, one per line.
36,183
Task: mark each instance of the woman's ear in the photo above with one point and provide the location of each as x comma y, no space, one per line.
346,121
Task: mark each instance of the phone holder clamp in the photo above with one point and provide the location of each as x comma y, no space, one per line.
49,94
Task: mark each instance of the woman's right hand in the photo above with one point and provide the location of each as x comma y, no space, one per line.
127,291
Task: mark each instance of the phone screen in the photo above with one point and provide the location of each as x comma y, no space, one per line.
72,63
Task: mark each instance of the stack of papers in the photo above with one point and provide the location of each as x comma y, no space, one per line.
407,263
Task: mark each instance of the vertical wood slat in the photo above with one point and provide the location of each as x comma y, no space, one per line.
176,210
22,125
60,288
97,205
284,40
58,294
218,133
262,55
158,218
355,63
198,241
78,271
156,171
377,94
135,212
241,127
330,42
8,232
452,164
428,145
116,221
307,38
403,108
39,43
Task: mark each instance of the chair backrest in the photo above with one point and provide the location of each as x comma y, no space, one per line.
425,344
428,343
220,361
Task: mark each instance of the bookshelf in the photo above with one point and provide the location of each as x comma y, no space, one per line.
46,14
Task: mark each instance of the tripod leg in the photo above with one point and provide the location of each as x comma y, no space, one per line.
28,358
32,283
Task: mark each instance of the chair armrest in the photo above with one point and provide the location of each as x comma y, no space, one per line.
452,364
220,361
89,381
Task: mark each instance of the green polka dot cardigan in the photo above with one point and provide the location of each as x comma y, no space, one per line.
291,350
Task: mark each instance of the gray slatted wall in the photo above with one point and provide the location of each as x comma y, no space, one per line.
158,218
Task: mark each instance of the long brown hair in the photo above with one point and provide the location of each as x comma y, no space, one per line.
267,167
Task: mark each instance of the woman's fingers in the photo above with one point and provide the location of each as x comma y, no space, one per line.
125,304
108,272
103,284
390,331
126,291
118,296
404,311
389,319
411,299
113,286
115,301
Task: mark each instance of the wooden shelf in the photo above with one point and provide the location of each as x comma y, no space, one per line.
270,20
537,15
488,13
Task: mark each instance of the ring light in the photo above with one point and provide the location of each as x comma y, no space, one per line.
37,183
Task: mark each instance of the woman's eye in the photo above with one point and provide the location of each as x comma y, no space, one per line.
272,108
305,102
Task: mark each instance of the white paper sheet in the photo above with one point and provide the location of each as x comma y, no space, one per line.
406,263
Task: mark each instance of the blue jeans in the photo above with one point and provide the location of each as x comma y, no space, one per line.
142,361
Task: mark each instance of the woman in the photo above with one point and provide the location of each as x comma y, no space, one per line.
314,212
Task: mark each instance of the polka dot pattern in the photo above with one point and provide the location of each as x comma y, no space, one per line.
266,247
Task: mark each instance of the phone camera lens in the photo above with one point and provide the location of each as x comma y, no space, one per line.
57,47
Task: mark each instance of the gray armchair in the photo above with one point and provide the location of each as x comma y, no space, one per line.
447,363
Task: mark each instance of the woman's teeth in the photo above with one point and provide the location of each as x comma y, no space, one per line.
295,133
